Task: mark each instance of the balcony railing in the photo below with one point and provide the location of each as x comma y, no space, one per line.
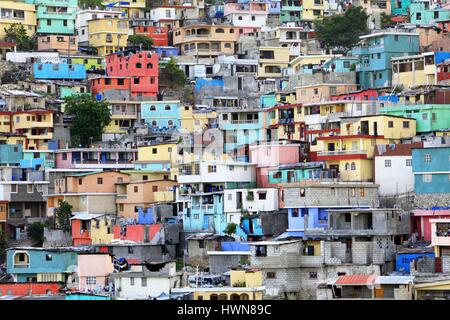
341,152
253,121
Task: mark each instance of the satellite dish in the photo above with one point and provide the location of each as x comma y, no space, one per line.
216,68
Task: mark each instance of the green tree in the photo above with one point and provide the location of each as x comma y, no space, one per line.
144,42
36,232
90,117
90,3
18,34
175,74
230,229
63,213
341,31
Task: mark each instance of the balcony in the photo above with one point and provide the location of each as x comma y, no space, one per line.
341,152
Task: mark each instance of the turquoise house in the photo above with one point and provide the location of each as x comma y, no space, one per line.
429,117
41,264
55,16
33,159
205,213
10,154
268,100
86,296
161,116
375,52
340,64
291,10
431,169
421,13
400,7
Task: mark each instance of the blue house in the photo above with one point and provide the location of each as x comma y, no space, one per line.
205,213
403,259
41,264
166,52
59,71
161,115
86,296
268,100
431,169
421,13
10,154
340,64
375,52
307,218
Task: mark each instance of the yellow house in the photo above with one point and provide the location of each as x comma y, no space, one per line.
417,70
207,41
102,230
196,120
351,151
304,62
285,121
160,158
16,11
437,290
124,114
131,8
36,126
108,35
272,61
245,285
313,9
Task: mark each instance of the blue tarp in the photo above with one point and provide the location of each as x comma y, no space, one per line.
234,246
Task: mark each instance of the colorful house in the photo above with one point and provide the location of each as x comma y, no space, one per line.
431,168
36,126
420,221
42,264
61,71
422,14
108,35
95,158
17,12
56,17
160,35
291,11
161,115
272,61
67,44
375,52
429,117
351,151
93,270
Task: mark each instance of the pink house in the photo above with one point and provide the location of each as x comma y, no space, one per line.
94,270
269,156
420,221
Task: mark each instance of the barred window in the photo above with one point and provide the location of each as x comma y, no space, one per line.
91,280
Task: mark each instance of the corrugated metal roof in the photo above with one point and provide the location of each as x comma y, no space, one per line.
394,280
356,279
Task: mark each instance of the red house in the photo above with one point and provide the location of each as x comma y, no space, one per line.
22,289
360,95
443,70
160,35
136,72
420,221
149,233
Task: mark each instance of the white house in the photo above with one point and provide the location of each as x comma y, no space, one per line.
152,281
247,15
393,168
250,200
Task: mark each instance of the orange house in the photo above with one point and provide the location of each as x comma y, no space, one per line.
141,194
160,35
94,193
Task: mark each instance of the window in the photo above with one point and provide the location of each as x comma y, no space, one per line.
196,216
64,156
137,80
167,107
154,188
99,180
131,281
294,213
48,257
348,217
424,116
212,169
390,124
276,175
154,150
91,280
353,166
136,189
387,163
408,162
313,275
427,157
261,251
405,124
262,195
145,177
271,275
152,108
427,178
143,282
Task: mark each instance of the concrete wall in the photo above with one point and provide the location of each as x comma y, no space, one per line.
56,238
